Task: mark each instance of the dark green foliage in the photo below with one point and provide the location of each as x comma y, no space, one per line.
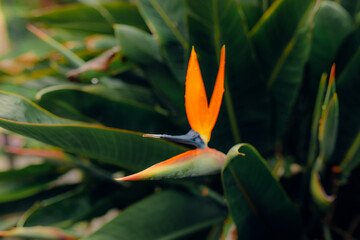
119,71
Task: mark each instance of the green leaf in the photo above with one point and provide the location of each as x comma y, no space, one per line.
352,6
26,182
313,146
140,46
81,204
165,215
327,133
275,30
85,18
328,127
332,24
68,54
348,85
351,160
114,146
64,206
282,39
143,49
82,103
100,8
258,204
166,19
117,91
27,92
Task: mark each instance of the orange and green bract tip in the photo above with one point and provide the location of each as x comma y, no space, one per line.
195,162
201,115
332,74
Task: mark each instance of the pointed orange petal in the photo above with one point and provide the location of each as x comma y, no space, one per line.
196,104
217,95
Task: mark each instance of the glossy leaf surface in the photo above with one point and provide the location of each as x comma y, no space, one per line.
82,204
166,20
186,214
142,48
91,104
90,19
123,148
332,24
259,206
282,43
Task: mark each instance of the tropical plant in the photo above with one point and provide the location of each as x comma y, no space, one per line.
88,79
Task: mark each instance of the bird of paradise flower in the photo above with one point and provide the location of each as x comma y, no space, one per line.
202,118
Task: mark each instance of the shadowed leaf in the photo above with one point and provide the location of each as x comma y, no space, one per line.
258,205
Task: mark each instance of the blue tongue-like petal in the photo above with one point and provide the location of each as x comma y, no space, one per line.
191,138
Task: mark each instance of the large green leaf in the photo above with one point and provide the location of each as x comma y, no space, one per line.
82,204
286,77
165,215
143,49
258,204
27,92
276,28
166,19
138,45
282,40
62,207
348,85
86,18
81,103
120,147
331,25
352,6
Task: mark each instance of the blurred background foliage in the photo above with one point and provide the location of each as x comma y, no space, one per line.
82,80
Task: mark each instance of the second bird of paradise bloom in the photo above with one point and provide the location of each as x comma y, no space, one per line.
202,117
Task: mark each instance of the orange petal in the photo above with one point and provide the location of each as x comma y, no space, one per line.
217,95
191,163
196,104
